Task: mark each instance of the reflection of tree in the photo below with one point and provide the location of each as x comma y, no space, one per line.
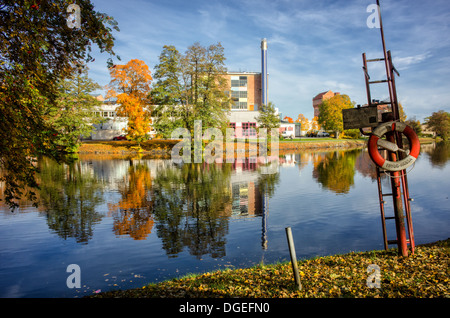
440,154
132,215
189,206
69,195
336,170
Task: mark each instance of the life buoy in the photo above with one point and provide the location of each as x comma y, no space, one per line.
375,141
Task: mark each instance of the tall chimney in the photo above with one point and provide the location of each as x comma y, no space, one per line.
264,93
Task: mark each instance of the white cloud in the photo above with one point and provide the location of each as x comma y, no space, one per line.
402,63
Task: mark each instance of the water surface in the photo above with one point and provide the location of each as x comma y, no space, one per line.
130,221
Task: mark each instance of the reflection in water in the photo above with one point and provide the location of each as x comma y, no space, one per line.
438,153
189,205
335,170
132,215
69,196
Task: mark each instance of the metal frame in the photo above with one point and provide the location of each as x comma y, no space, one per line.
398,178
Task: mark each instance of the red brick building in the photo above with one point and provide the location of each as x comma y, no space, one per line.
319,99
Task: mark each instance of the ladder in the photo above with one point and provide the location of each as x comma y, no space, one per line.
399,183
407,201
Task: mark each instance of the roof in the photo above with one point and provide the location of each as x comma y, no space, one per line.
319,96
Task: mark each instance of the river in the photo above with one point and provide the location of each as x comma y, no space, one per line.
130,221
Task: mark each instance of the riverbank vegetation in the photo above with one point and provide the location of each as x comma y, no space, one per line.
423,274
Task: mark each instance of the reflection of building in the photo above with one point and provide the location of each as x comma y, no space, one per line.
246,197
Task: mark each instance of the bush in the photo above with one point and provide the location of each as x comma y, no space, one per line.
350,134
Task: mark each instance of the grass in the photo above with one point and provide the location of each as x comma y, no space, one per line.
424,274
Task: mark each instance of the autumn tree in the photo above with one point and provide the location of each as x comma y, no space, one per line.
130,83
304,122
37,49
288,119
315,123
439,122
414,124
330,115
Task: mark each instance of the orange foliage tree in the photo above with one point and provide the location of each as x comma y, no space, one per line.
304,122
289,119
315,123
130,83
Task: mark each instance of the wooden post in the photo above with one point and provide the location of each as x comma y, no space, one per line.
293,257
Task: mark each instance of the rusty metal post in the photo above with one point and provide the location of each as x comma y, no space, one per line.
398,203
394,137
366,77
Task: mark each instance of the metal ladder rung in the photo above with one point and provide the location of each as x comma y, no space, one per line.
375,60
376,82
395,241
389,217
386,194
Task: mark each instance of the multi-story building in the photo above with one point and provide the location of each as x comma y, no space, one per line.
246,100
318,99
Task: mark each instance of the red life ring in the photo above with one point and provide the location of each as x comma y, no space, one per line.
375,141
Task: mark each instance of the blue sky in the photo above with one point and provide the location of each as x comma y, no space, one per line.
313,45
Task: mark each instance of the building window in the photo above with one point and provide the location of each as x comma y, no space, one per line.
242,81
239,105
239,82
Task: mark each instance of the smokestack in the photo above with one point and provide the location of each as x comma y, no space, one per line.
264,95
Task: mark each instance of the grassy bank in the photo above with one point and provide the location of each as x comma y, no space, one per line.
161,147
424,274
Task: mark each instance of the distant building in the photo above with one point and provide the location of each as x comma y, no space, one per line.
112,125
427,131
318,99
246,96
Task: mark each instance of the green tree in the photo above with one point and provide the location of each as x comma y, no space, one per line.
415,125
167,92
267,117
73,114
439,122
37,49
330,116
190,87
